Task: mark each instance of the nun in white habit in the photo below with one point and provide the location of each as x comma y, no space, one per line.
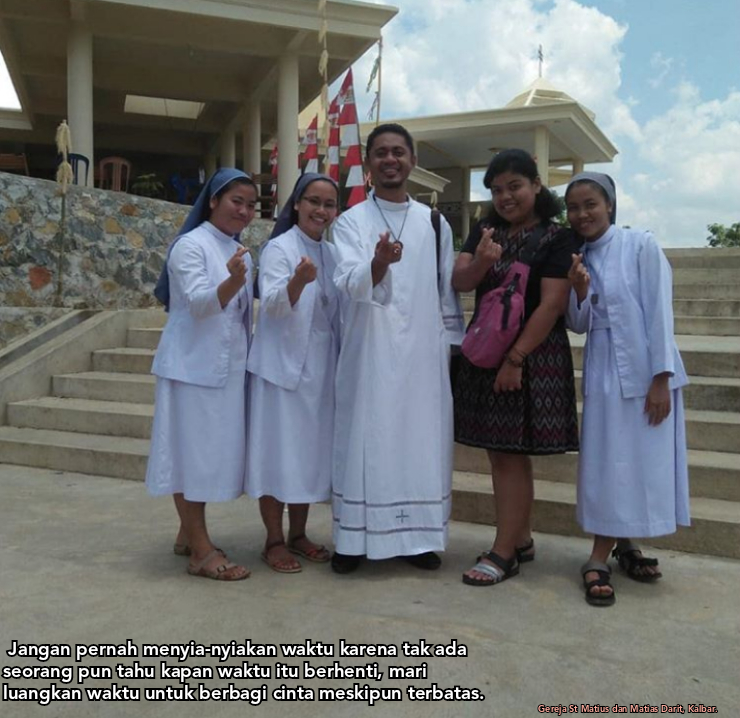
632,473
292,362
199,435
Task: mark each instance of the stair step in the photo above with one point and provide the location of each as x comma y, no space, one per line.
726,308
123,359
704,393
707,326
704,275
143,338
707,291
712,474
86,416
709,430
702,356
714,530
712,393
106,386
119,457
703,257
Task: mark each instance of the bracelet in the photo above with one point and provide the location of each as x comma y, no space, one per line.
521,354
512,362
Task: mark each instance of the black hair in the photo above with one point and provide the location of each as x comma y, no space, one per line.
388,127
546,204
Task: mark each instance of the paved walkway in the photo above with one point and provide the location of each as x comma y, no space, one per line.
88,560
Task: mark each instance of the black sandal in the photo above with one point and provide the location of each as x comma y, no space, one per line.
500,571
604,579
525,554
632,562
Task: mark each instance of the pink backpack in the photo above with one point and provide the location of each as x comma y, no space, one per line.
500,315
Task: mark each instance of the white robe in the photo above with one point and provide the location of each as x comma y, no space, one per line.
293,361
198,445
632,477
392,470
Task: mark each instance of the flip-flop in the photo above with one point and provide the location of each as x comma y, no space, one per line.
227,571
279,566
317,554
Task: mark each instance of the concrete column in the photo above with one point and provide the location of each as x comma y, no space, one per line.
465,220
252,142
577,166
542,152
209,164
80,93
287,126
227,153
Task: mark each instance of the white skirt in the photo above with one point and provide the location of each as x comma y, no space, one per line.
632,477
291,433
198,440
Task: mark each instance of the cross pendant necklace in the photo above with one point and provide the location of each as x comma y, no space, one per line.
387,223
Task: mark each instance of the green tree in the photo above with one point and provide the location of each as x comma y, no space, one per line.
721,236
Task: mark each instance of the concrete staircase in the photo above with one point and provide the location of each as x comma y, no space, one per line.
99,421
707,314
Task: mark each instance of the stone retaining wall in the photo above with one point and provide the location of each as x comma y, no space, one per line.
115,246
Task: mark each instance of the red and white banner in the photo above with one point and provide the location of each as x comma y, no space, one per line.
350,134
332,147
311,146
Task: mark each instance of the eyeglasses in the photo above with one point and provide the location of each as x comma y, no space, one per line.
316,203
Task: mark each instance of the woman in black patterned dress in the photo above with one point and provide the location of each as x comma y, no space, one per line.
527,406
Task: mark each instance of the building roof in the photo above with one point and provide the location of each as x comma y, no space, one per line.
469,138
215,52
541,92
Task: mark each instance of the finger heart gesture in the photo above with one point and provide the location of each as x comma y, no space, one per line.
305,271
386,251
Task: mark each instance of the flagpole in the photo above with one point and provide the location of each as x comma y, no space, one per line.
380,79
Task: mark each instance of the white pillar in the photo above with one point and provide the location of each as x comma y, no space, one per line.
542,153
252,141
209,164
465,223
80,93
287,126
577,166
227,153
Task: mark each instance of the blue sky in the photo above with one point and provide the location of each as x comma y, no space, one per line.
662,76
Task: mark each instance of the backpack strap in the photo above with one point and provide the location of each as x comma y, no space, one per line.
437,224
533,243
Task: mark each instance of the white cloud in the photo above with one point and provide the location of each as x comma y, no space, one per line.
677,171
445,56
690,155
662,65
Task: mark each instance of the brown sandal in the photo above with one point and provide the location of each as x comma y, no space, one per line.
284,566
227,571
317,554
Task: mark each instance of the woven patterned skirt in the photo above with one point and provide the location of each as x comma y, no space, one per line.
541,418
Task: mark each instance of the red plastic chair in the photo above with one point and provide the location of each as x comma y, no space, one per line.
115,173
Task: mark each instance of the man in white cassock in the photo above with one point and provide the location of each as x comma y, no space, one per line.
393,441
